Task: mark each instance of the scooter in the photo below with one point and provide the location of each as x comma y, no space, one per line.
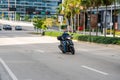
69,44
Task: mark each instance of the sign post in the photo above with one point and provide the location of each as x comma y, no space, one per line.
60,19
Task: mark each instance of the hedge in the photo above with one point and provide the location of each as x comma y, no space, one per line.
53,33
100,39
88,38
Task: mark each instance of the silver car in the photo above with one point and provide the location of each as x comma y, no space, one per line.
18,27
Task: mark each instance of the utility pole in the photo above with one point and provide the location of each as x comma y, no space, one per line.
8,10
15,11
111,23
114,18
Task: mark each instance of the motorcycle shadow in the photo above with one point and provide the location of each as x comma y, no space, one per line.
67,53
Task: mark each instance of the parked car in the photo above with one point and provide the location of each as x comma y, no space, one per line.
7,27
18,27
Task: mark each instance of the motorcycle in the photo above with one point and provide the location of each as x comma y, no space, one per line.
69,44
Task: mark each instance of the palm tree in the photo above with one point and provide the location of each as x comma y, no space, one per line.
74,6
70,10
77,12
59,9
66,11
85,4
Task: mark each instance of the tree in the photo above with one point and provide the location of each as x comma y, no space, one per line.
27,18
59,9
70,10
77,12
48,22
18,17
85,5
37,22
66,11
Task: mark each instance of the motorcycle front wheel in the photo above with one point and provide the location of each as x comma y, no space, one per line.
72,50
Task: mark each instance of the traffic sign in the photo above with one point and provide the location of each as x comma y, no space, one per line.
60,18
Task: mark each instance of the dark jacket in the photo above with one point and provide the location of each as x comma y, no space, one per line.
64,35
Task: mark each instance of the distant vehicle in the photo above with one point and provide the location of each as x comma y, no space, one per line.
18,27
7,27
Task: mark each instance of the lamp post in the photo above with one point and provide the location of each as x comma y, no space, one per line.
8,10
2,10
111,23
15,11
114,18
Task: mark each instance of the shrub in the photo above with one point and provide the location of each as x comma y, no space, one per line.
53,33
63,26
117,33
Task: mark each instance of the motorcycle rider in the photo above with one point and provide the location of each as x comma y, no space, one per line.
64,36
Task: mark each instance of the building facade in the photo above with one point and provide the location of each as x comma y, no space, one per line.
110,17
41,8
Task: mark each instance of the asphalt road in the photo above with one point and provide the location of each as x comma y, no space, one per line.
26,56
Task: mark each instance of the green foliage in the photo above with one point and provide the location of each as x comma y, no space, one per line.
44,27
18,17
71,7
63,26
59,9
48,22
100,39
27,18
116,32
118,42
38,23
76,36
107,2
54,34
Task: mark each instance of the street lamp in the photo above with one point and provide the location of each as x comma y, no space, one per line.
114,18
15,11
8,9
111,23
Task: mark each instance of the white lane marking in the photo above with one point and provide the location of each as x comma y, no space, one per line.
41,51
95,70
11,74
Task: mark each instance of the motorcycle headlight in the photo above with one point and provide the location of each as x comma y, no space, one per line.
68,37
